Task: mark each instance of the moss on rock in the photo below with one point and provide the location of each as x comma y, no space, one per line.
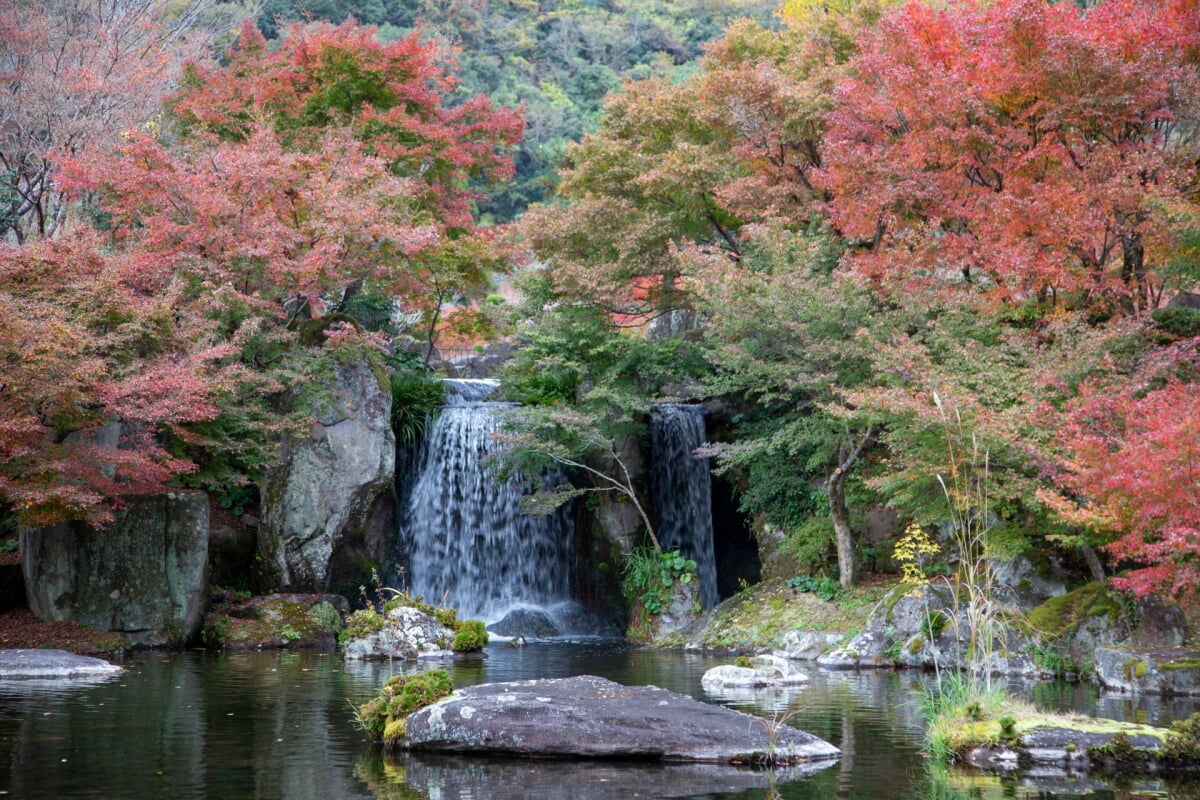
383,716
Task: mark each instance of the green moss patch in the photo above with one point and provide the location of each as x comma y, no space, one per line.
1061,616
758,617
383,716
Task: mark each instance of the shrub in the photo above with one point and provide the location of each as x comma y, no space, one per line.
651,574
415,396
1183,742
1177,321
824,587
471,637
361,623
325,615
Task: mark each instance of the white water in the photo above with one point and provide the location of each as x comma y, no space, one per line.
468,545
681,491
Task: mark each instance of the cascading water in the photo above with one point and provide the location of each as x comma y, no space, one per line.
468,545
681,491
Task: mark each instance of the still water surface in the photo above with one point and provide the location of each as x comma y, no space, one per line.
267,726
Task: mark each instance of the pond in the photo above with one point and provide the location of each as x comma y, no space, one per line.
281,725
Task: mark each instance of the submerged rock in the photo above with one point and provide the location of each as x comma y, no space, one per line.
52,665
590,717
766,671
449,778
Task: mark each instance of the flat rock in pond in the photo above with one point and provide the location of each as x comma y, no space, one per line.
590,717
52,664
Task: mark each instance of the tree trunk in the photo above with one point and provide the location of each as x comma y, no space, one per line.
835,486
1133,266
842,533
1092,559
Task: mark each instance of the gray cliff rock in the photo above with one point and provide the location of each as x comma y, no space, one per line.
324,507
144,575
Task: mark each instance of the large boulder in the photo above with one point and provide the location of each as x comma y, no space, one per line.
590,717
145,575
528,623
327,506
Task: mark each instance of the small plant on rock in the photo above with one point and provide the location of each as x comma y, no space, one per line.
470,637
325,615
361,623
651,574
1183,741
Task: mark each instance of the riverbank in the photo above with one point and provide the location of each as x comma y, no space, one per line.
20,630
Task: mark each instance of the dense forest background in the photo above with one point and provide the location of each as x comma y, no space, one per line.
557,61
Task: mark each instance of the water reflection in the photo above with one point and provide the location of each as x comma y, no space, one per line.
449,778
270,726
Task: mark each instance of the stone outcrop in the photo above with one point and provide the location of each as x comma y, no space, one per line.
327,507
925,629
590,717
145,575
680,610
808,645
1149,671
406,634
52,665
1022,585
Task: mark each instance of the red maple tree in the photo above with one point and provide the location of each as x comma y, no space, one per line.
1021,147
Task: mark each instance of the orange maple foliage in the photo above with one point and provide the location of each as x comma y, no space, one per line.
1020,147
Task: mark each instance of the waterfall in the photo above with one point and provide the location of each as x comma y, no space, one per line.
681,491
467,544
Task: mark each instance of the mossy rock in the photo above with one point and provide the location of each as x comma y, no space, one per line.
307,621
383,716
